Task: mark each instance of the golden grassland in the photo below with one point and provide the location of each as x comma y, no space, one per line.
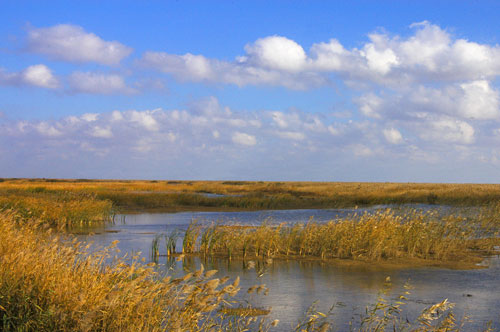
128,195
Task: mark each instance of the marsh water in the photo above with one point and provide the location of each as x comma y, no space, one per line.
294,285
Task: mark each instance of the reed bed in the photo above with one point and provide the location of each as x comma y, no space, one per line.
60,210
48,283
370,237
154,195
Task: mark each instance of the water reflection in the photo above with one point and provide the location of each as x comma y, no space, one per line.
295,285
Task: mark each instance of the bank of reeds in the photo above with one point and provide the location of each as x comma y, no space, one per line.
59,209
370,237
48,283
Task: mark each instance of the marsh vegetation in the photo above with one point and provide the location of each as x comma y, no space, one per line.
133,196
49,281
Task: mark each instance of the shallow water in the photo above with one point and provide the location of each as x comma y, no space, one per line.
295,285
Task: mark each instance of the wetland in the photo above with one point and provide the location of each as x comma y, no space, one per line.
231,255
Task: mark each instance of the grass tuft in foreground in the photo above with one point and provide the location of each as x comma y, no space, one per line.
48,283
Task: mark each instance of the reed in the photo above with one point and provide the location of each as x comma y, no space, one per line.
155,195
51,283
370,237
61,210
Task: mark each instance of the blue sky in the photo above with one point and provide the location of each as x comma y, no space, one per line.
256,90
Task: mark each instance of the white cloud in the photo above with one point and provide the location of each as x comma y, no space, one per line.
431,54
202,132
361,150
97,83
370,105
90,117
379,59
445,130
101,132
37,75
145,119
479,101
198,68
393,136
276,52
46,129
40,75
244,139
72,43
292,135
116,116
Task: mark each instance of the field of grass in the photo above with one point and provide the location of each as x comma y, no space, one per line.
135,196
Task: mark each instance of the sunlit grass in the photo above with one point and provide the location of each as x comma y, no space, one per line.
50,284
371,237
241,195
58,209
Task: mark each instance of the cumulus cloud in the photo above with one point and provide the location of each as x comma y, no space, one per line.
206,132
431,54
445,130
102,132
36,75
291,135
476,100
244,139
197,68
97,83
72,43
275,52
393,136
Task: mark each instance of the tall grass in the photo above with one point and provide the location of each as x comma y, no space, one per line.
60,210
371,237
48,283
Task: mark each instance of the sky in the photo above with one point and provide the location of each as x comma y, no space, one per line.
382,91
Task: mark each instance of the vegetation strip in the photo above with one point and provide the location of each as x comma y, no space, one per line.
133,196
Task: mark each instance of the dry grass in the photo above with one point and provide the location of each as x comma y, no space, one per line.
50,284
59,209
371,237
241,195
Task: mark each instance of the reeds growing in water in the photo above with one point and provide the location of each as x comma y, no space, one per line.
370,237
